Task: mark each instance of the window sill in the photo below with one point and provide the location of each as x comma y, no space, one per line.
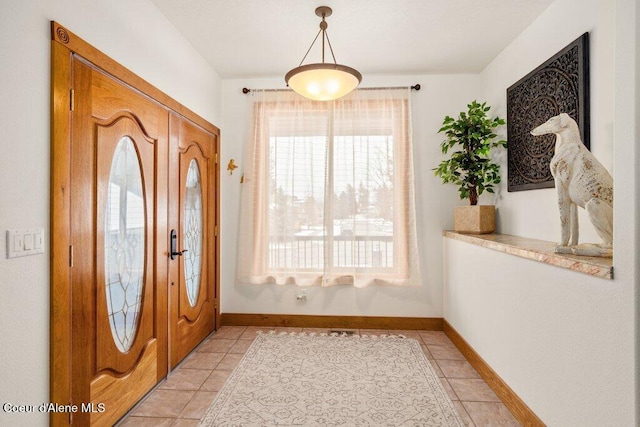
537,250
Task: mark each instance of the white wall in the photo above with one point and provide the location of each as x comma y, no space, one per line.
439,96
139,37
562,340
565,342
534,213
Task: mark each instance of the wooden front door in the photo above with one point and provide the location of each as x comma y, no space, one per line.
118,206
192,214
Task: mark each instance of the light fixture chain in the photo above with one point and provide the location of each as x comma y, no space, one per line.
309,50
330,48
324,36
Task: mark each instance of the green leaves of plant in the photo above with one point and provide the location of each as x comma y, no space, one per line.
470,167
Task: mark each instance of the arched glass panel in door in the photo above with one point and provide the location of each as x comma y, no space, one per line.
124,244
192,232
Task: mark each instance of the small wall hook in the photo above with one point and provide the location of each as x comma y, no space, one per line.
231,166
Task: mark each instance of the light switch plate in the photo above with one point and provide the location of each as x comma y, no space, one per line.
25,242
17,242
38,241
28,242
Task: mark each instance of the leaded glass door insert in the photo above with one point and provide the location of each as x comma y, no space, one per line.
124,245
192,232
192,177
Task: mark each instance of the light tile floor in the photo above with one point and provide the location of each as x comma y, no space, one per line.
189,390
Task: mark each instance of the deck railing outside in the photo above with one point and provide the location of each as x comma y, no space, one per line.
308,252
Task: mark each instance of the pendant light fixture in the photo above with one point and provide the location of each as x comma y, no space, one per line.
324,81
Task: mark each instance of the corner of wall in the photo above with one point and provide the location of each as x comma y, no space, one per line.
567,310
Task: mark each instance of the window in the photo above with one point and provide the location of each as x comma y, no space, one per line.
328,197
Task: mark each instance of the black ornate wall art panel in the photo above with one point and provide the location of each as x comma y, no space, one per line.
560,85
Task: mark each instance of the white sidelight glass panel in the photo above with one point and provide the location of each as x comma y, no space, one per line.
192,232
124,244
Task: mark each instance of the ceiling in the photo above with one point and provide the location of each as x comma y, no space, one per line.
266,38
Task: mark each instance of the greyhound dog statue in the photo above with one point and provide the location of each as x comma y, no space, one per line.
580,180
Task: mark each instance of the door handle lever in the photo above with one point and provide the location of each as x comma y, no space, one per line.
173,252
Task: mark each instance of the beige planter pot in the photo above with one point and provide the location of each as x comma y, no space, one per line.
479,219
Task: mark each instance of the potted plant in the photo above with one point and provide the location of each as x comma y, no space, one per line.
470,137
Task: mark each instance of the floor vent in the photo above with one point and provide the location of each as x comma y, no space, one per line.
341,332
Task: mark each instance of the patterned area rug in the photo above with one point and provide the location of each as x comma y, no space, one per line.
309,380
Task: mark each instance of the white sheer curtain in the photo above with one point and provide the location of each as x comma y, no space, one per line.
328,191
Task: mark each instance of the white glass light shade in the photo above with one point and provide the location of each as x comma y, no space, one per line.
323,82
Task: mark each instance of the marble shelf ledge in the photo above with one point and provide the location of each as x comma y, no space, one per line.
537,250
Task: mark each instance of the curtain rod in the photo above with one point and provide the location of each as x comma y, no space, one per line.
414,87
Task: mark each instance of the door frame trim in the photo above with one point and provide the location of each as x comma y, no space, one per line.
75,44
64,44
